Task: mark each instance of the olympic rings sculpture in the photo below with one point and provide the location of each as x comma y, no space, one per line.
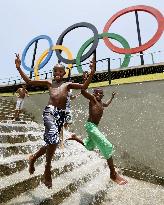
117,37
94,40
159,17
28,46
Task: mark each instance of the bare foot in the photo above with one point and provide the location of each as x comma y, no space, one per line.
47,178
72,137
17,119
118,179
62,145
31,164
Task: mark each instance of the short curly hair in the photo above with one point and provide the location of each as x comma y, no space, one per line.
59,65
95,90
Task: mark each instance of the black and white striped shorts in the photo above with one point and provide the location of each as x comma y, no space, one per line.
53,121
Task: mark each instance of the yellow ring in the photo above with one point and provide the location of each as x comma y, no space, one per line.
43,55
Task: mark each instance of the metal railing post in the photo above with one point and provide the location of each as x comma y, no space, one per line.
109,71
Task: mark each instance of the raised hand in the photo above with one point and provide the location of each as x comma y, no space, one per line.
113,94
17,61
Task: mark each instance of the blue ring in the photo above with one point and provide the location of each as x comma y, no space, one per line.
28,46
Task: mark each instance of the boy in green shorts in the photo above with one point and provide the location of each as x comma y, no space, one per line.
95,137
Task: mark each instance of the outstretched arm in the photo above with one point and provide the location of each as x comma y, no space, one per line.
110,100
92,67
85,85
87,95
26,78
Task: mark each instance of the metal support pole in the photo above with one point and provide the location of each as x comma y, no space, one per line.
33,60
46,74
59,61
69,75
120,62
109,71
139,37
152,57
94,56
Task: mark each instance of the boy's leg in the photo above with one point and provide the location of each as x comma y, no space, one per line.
74,137
34,157
47,173
65,127
53,122
17,118
68,120
86,142
20,108
106,149
62,139
16,114
17,109
113,174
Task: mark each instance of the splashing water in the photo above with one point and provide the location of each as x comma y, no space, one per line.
79,176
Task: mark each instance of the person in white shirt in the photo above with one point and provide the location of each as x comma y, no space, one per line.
21,94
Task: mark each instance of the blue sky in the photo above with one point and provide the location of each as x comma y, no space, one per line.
21,21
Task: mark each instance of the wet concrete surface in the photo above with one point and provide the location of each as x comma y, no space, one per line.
133,123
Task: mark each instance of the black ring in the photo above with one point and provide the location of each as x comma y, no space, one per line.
91,50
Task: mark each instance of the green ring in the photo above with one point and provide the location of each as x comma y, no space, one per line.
114,36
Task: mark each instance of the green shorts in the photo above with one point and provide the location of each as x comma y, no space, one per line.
97,139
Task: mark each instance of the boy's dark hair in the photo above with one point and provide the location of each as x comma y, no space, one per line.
59,65
97,90
24,86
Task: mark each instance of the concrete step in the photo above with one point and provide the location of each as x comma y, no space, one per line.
93,192
8,112
15,163
13,122
20,137
28,147
8,107
102,191
136,192
63,186
20,182
18,127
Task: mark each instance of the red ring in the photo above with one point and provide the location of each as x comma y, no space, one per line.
159,17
